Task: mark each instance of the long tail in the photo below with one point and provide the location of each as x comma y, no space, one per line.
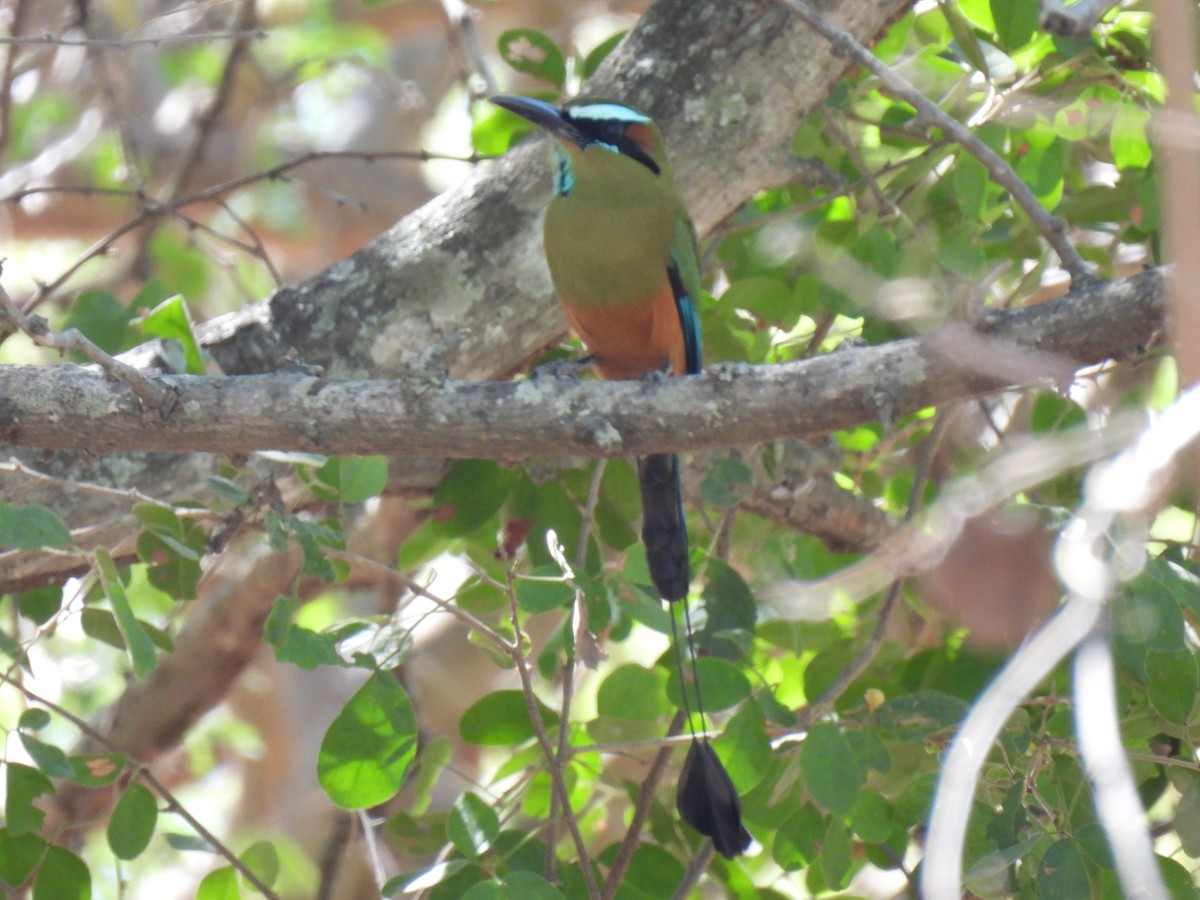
705,796
664,530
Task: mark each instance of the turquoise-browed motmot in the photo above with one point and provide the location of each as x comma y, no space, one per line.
622,256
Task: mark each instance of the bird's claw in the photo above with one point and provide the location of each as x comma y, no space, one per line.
562,368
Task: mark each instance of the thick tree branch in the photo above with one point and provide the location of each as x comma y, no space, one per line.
64,407
459,287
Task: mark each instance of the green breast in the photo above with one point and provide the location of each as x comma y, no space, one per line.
608,241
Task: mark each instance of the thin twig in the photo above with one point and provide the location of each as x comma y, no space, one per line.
1096,549
539,727
464,37
131,495
883,205
1052,228
1076,20
142,772
641,811
151,393
847,676
331,856
16,21
695,869
199,37
153,209
579,613
453,609
244,19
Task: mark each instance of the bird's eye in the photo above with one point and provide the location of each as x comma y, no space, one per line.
612,131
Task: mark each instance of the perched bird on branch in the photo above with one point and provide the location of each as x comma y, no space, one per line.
622,256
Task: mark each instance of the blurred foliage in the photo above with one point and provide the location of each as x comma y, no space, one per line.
903,246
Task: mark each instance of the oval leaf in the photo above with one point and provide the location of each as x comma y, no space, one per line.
369,747
501,719
62,876
831,771
532,52
472,826
132,823
722,684
30,527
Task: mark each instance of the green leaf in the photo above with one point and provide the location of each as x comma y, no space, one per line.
770,300
916,716
501,719
49,759
871,817
1054,413
101,625
98,770
370,746
524,885
24,784
188,842
142,655
33,719
726,483
745,748
831,771
262,859
652,873
62,876
599,54
1129,138
545,594
1016,21
1171,684
732,612
471,493
970,182
633,692
13,650
296,644
41,604
19,855
355,478
102,318
228,490
836,855
964,37
473,825
534,53
132,823
989,875
722,684
431,762
30,527
1187,819
798,838
219,884
1062,872
170,321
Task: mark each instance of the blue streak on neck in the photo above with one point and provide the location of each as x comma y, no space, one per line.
564,172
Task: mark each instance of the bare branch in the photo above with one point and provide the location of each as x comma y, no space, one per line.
1075,19
198,37
1101,546
143,773
1052,228
63,407
151,393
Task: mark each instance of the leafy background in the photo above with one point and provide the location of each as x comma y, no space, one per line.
377,743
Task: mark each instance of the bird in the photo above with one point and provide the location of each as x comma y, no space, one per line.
623,259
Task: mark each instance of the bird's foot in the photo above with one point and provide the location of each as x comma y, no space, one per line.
657,376
562,368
